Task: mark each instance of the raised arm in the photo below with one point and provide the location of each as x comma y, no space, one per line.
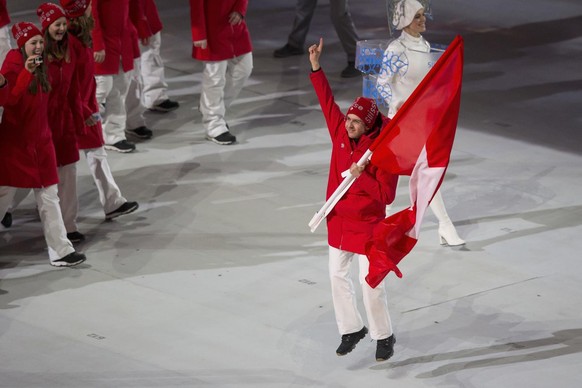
331,111
314,54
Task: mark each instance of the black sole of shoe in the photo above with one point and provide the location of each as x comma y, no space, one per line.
161,110
220,142
128,211
66,265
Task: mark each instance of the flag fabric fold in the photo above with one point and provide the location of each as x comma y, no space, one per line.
417,142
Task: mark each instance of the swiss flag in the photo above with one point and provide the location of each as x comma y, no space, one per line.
416,142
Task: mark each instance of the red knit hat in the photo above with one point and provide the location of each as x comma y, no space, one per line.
75,8
48,14
366,109
23,32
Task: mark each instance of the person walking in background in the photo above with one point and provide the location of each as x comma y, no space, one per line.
148,88
154,92
351,222
135,124
91,141
221,40
404,65
27,154
342,23
115,46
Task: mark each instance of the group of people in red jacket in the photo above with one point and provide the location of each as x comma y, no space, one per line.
82,81
55,88
50,113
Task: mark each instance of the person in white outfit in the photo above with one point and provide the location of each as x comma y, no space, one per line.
405,63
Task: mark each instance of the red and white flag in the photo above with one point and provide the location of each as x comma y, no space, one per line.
416,142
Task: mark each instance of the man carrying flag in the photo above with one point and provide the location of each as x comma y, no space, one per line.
351,222
416,142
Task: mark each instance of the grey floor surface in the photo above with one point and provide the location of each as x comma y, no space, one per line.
216,279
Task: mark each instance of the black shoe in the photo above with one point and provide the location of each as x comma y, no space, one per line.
350,71
225,138
70,260
126,208
122,146
75,237
7,220
141,132
385,348
287,51
165,106
349,341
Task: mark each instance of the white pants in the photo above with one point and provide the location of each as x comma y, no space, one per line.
68,196
67,193
152,73
347,315
133,102
109,193
111,94
222,81
4,48
5,45
47,201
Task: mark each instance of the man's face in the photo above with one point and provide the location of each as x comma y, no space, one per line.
355,126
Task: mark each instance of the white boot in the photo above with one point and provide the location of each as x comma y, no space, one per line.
447,232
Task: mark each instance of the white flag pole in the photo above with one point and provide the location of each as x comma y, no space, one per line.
337,194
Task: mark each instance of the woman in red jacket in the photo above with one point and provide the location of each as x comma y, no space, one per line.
351,222
221,40
27,155
66,113
91,141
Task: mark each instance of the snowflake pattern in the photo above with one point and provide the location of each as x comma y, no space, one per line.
371,89
369,60
394,64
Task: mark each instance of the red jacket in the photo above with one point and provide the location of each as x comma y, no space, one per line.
66,113
209,20
91,137
151,13
114,32
4,17
27,154
351,222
